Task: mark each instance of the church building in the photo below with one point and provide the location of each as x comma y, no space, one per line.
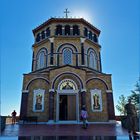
67,74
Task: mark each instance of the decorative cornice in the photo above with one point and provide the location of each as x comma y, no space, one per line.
64,20
80,67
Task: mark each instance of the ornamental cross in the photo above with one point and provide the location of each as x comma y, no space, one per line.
66,12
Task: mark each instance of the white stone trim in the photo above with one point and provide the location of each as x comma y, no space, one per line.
51,65
112,121
51,90
69,122
97,91
25,91
51,39
51,122
66,73
82,39
97,78
35,92
109,91
83,90
67,92
65,44
35,79
83,65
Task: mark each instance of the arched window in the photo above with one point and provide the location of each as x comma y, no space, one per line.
38,37
95,38
67,56
67,84
43,34
75,30
90,35
92,60
48,32
85,32
67,30
58,30
41,60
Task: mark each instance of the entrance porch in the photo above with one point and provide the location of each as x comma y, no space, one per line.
67,106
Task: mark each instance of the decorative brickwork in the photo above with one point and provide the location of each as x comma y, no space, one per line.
48,78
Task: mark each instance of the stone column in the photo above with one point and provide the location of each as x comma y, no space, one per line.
63,30
32,61
51,105
83,97
110,105
71,31
82,51
51,50
24,103
100,62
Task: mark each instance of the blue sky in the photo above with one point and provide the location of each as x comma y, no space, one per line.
119,22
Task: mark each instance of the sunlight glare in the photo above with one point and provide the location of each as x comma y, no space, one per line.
82,14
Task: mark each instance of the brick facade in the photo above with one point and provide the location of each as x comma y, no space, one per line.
49,77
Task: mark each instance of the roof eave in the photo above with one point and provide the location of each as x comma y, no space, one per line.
61,19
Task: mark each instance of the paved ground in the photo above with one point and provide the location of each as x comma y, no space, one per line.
64,130
69,138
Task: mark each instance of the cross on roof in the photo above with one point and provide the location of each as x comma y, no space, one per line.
66,12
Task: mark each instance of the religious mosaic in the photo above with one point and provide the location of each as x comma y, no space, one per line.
67,85
96,101
38,100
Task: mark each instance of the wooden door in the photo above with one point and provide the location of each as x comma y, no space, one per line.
71,107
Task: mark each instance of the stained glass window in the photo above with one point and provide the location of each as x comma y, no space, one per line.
92,60
67,56
41,60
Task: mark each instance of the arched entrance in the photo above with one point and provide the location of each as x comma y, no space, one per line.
67,103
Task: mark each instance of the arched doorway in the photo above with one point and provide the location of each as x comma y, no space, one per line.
67,103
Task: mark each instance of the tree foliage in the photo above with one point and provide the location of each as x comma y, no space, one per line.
134,96
121,103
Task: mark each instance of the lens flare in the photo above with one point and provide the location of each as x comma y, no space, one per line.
82,14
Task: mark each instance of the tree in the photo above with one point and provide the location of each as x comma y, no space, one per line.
135,95
121,103
135,98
